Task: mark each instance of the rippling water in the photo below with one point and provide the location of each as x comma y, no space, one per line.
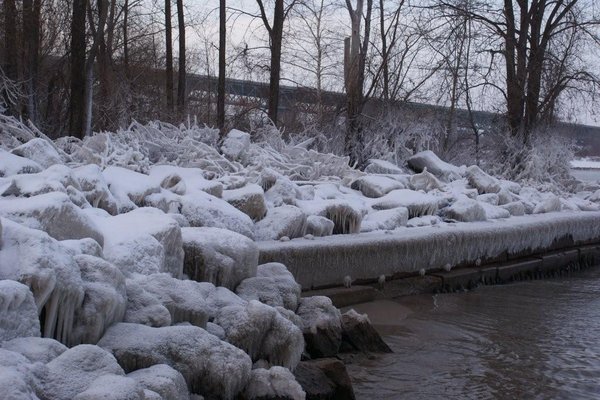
528,340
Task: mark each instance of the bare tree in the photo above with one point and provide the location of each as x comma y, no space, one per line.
181,76
31,48
222,65
169,55
78,47
10,64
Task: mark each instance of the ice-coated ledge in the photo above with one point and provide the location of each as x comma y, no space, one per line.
327,261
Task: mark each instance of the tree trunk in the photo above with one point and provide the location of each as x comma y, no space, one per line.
169,55
10,64
276,38
76,106
126,38
222,61
384,53
31,45
181,75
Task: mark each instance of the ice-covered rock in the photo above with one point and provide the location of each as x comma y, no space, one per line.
105,299
39,150
262,332
163,380
426,220
376,185
35,259
489,198
75,370
584,205
11,164
144,307
428,159
282,191
249,199
95,188
319,226
112,387
144,241
425,181
345,215
36,349
53,213
18,380
483,182
129,188
83,246
193,179
505,196
273,285
515,208
57,178
359,335
321,326
383,167
385,220
466,210
417,203
550,203
18,312
219,256
212,368
281,221
494,212
273,383
324,378
235,144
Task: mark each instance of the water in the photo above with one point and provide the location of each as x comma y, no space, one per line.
528,340
586,175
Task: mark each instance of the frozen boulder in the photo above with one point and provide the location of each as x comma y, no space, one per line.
345,215
417,203
36,349
385,220
383,167
95,188
489,198
376,185
144,307
283,191
321,326
262,332
426,220
359,335
39,150
324,378
425,181
75,370
273,383
273,285
219,256
515,208
249,199
163,380
319,226
504,196
57,178
82,246
35,259
105,299
429,160
112,387
584,205
281,221
481,181
11,164
494,212
212,368
53,213
143,241
235,144
18,312
550,203
192,180
129,188
18,380
466,210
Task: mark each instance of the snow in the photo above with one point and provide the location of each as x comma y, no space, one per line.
18,313
273,285
193,179
319,226
163,380
383,167
281,221
425,181
385,220
112,387
95,188
248,199
36,349
430,161
466,210
129,188
11,164
375,185
483,182
235,144
417,203
39,150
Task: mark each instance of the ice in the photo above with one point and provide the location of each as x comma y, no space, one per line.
321,326
129,188
319,226
39,150
282,191
53,213
345,215
425,181
428,159
248,199
193,179
163,380
18,312
219,256
57,178
515,208
286,220
273,383
426,220
36,349
40,262
273,285
483,182
375,185
383,167
18,379
95,188
385,220
466,210
112,387
82,246
490,198
210,366
494,212
236,144
143,307
417,203
11,164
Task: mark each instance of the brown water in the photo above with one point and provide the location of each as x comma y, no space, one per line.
528,340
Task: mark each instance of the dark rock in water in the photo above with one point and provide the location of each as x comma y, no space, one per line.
321,326
359,335
324,379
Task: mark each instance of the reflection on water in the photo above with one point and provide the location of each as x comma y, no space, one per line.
528,340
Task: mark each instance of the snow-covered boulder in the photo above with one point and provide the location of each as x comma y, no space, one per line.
11,164
428,159
550,203
129,188
425,181
584,205
273,285
282,191
249,199
144,241
83,246
321,326
75,370
57,178
235,144
18,378
376,185
18,313
163,380
345,215
39,150
53,213
489,198
483,182
192,179
417,203
494,212
36,349
426,220
281,221
104,302
144,307
319,226
383,167
112,387
273,383
35,259
212,368
515,208
385,220
466,210
95,188
262,332
219,256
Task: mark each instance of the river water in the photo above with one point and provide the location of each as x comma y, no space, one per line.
526,340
